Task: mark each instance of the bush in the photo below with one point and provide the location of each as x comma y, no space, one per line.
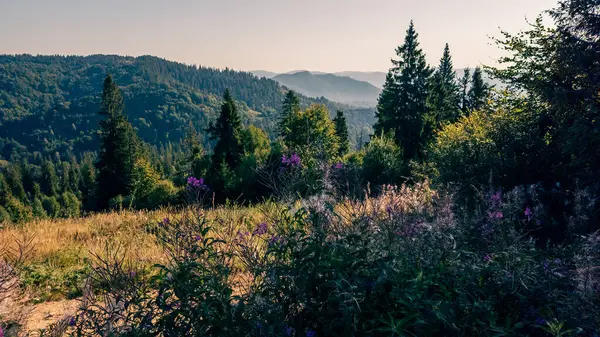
117,203
382,161
19,213
502,144
4,216
70,205
163,193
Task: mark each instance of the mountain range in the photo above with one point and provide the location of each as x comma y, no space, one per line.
334,87
357,88
50,104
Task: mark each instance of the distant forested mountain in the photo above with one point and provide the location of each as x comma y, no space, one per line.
50,103
337,88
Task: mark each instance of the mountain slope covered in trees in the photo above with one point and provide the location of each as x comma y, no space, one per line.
51,103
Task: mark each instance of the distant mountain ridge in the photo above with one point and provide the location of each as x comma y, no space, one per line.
376,78
336,88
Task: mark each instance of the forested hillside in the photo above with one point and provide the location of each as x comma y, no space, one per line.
50,103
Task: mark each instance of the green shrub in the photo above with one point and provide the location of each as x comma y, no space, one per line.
163,193
117,203
4,216
70,205
382,161
19,213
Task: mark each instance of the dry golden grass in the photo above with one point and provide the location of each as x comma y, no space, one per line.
53,238
63,247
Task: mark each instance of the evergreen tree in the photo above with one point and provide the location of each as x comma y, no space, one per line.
291,104
479,91
402,105
87,184
5,192
227,132
443,99
464,91
119,147
15,181
341,130
387,103
49,179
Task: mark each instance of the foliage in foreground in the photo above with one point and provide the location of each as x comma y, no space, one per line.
408,263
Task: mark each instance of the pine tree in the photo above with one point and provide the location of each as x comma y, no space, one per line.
5,191
15,181
49,179
227,132
465,80
479,91
119,147
402,105
443,99
291,104
87,183
341,130
387,104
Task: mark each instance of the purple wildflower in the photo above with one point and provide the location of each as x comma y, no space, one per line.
197,237
291,161
540,321
259,325
528,213
487,258
1,332
311,333
72,321
195,182
496,215
338,166
546,265
289,331
260,229
557,261
496,196
166,221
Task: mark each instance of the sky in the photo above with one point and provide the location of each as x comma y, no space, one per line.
275,35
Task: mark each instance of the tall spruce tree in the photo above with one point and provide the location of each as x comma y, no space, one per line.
479,91
465,81
291,104
227,132
402,104
119,148
443,99
49,179
341,131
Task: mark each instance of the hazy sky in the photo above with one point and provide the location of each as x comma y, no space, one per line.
276,35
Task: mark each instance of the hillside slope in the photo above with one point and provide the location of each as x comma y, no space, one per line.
50,103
